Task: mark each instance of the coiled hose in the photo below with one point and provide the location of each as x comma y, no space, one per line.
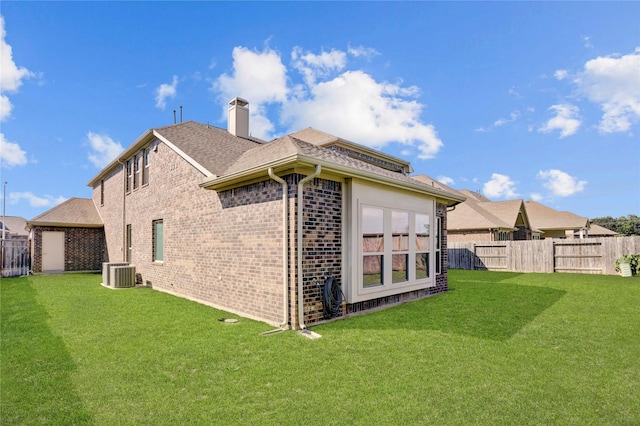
331,298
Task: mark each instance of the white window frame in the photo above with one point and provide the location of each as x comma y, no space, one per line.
361,194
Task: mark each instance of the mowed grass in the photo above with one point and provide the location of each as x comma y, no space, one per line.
499,349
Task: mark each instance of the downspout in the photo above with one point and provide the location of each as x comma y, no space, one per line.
299,237
124,211
285,244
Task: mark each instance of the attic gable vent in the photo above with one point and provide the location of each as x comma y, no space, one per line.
238,123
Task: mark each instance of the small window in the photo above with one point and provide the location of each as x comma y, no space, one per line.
102,192
400,236
136,171
158,241
129,171
145,166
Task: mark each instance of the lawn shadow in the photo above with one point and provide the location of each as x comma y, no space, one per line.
488,310
36,366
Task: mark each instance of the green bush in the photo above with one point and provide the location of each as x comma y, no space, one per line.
631,259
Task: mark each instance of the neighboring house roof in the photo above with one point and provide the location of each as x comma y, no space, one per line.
546,218
478,212
437,184
289,152
326,140
472,216
473,196
75,212
599,231
14,226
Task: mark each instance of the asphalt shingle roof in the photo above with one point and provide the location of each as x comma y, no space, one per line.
212,147
73,212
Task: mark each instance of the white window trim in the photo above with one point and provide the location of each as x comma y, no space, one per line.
359,194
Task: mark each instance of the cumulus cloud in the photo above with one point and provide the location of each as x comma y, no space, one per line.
35,201
348,103
613,83
446,180
313,66
11,76
104,149
11,154
500,186
566,120
165,91
560,183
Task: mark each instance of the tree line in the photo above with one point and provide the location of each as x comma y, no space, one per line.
625,225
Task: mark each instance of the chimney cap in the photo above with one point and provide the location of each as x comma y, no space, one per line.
238,102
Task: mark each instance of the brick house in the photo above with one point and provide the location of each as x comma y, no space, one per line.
256,228
67,238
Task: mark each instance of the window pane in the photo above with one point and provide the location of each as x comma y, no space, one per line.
372,270
422,232
422,265
372,230
400,230
158,245
400,270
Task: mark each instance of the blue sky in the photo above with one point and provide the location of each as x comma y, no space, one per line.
513,99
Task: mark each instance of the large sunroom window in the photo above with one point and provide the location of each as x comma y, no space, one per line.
391,241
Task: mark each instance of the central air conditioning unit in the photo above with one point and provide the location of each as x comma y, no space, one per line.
106,271
122,276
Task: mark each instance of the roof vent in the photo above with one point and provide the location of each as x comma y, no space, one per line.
238,124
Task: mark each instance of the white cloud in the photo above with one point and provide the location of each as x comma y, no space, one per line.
561,74
566,120
104,149
260,78
346,103
361,51
356,107
11,154
613,83
11,76
512,117
500,186
446,180
165,91
561,183
536,197
35,201
313,66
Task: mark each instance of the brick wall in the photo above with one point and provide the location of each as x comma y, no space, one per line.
322,241
84,248
223,249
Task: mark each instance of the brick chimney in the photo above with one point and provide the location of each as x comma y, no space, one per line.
238,124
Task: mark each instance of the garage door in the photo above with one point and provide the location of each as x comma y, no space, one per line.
52,251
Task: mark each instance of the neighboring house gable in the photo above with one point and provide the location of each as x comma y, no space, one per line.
554,223
14,228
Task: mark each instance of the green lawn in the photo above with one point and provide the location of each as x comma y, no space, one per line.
501,349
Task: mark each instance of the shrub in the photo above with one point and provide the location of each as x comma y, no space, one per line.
631,259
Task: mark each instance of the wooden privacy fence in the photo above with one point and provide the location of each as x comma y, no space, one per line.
15,260
587,256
